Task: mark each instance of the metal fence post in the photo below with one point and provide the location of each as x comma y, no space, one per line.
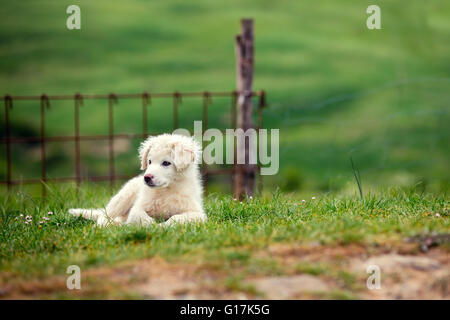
45,103
111,101
8,106
78,102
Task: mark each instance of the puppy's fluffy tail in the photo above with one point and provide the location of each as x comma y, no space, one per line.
91,214
97,215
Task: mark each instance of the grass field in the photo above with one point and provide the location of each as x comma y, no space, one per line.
241,243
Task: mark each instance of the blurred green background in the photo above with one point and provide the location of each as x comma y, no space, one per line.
335,88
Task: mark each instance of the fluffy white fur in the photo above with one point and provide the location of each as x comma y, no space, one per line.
174,192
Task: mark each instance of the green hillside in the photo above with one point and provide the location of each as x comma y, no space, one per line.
335,89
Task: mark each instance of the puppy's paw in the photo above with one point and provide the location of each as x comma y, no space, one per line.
169,223
178,219
189,217
141,221
103,221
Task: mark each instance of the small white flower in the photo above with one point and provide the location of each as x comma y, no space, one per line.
251,197
313,198
50,213
303,200
41,222
20,215
27,222
28,217
45,218
438,215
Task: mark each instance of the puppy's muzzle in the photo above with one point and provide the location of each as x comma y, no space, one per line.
148,178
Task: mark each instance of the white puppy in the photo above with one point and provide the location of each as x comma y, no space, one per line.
170,187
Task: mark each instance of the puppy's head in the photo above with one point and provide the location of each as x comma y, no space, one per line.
165,157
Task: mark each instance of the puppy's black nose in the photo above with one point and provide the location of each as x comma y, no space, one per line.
148,179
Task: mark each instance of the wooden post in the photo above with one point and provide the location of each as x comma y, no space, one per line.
244,176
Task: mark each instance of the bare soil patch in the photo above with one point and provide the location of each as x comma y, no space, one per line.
308,271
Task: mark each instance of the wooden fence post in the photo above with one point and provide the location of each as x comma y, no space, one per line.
244,176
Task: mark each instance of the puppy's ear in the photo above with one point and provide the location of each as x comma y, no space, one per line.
144,149
185,152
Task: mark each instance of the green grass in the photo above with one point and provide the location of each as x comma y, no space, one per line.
335,89
232,237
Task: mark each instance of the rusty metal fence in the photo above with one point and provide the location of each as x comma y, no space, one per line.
45,101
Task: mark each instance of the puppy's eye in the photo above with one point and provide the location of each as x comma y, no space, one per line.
149,161
165,163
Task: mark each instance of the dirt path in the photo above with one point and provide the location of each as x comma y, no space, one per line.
305,272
